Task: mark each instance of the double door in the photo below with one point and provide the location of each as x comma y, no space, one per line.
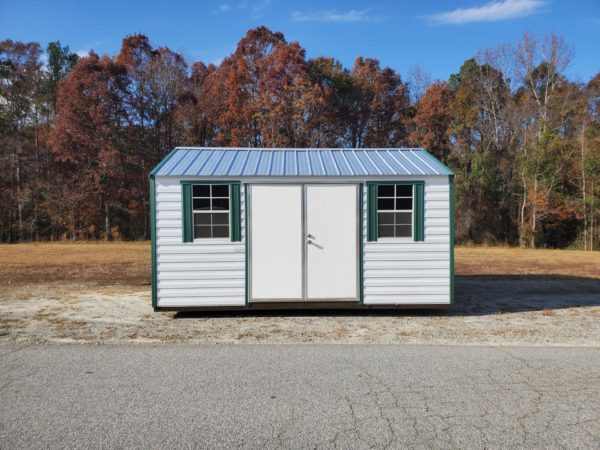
303,242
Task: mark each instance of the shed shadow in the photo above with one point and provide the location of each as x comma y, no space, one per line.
475,295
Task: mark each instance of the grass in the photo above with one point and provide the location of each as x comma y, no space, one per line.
116,263
518,261
86,262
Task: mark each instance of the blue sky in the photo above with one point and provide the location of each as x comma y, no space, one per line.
436,35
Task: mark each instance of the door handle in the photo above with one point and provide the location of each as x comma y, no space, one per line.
309,242
310,236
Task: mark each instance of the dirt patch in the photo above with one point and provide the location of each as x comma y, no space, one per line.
489,310
100,293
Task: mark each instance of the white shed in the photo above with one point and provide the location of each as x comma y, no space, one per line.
251,228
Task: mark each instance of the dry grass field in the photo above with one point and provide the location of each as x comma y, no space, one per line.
95,263
121,263
100,292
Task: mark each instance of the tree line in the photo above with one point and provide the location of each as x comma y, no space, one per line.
80,135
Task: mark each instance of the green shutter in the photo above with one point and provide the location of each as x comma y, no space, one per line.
236,228
187,218
372,213
419,211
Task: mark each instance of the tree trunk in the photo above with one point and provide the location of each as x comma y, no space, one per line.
106,221
534,215
522,233
585,218
19,199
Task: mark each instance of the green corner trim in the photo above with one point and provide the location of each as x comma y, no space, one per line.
246,239
153,238
451,183
153,241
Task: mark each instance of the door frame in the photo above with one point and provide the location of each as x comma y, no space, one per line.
359,240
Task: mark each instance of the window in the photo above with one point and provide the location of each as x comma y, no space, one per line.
210,209
394,210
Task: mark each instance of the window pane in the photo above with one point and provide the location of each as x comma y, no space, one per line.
202,232
220,219
404,203
201,190
403,218
220,190
201,219
385,231
385,219
403,190
385,203
220,232
201,203
403,231
385,190
220,204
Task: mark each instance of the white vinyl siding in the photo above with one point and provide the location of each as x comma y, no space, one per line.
207,273
406,272
213,273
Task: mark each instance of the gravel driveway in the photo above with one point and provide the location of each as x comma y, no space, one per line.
505,310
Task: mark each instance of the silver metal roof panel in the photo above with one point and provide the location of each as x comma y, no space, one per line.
248,162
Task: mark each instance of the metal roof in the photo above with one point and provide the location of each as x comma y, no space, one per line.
233,162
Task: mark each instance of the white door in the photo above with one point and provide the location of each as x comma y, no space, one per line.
303,242
332,242
276,242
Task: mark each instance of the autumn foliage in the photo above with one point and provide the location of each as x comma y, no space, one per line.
80,136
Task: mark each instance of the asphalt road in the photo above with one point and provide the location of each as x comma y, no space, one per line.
305,396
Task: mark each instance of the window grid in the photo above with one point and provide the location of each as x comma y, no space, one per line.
395,210
210,208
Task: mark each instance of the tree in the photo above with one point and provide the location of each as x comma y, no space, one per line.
60,62
541,67
20,87
379,107
432,119
87,140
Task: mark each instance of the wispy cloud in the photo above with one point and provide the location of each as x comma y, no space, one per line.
256,8
353,15
490,12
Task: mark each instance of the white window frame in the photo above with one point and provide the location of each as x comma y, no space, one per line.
211,211
394,211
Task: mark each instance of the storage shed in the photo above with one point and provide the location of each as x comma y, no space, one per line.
249,227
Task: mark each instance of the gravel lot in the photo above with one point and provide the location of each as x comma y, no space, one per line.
502,310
